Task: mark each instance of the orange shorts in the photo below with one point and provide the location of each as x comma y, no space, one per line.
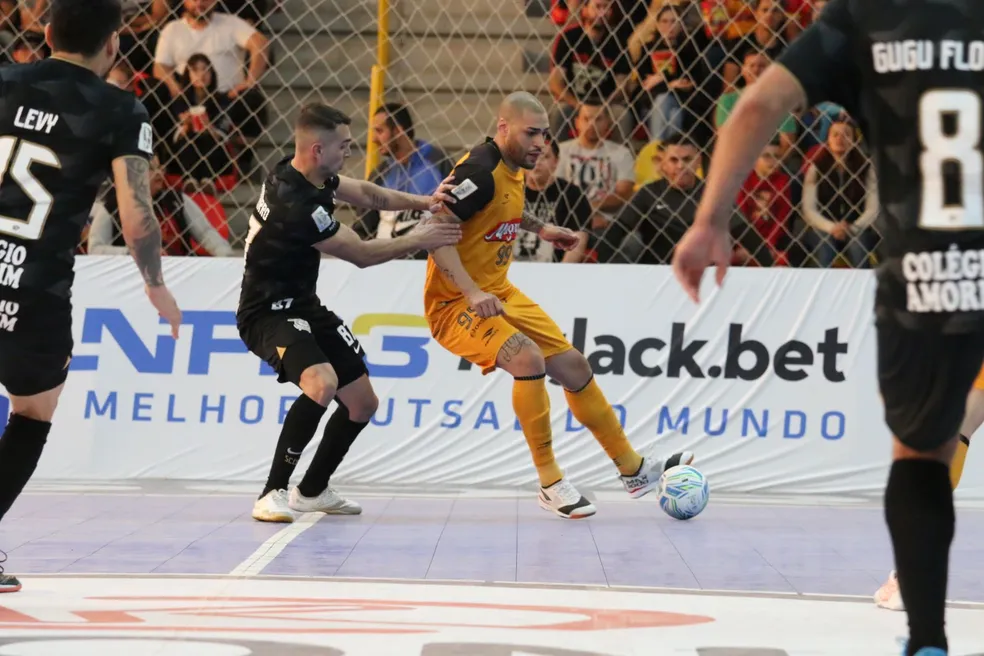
462,332
979,383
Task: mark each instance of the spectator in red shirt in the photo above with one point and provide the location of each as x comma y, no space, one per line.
801,14
765,200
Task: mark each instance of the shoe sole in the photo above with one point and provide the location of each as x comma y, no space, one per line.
274,519
7,589
332,511
582,513
883,603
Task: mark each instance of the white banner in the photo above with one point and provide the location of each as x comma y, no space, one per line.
771,380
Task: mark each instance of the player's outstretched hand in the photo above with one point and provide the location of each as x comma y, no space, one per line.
442,195
434,234
160,297
562,238
485,305
701,246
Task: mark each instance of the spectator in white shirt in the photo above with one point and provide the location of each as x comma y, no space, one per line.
225,40
603,169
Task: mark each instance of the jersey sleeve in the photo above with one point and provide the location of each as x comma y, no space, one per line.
133,134
474,189
822,58
313,222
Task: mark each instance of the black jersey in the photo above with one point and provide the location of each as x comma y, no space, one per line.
61,127
290,216
912,73
561,203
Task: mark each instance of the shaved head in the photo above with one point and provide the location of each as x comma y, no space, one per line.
516,104
521,130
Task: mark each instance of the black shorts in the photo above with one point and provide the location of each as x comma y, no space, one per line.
925,377
35,342
292,340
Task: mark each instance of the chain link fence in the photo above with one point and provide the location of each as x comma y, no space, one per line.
636,91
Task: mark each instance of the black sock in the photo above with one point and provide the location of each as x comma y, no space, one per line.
340,433
21,445
920,516
298,430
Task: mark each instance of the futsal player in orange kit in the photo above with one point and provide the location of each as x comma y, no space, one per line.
477,314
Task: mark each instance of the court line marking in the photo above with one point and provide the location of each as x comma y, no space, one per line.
604,495
469,583
257,561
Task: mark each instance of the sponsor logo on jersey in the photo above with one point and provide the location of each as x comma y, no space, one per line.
323,219
146,140
944,281
506,231
464,190
300,324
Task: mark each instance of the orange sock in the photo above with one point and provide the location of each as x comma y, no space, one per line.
532,405
956,467
592,409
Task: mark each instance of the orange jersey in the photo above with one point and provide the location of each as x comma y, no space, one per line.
490,201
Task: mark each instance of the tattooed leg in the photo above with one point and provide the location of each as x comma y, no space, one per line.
520,356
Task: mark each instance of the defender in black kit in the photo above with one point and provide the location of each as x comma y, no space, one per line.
63,130
281,319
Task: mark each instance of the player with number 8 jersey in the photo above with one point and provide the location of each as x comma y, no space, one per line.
912,73
63,130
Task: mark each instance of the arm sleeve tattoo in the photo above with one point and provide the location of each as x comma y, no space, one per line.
530,223
146,248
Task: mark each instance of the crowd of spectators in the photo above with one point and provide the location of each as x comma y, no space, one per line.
639,91
196,66
652,83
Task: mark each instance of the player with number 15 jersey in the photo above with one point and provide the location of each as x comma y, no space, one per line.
63,130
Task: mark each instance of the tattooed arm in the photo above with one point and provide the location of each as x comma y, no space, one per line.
141,230
362,193
530,223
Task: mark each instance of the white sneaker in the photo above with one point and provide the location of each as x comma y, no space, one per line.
328,502
564,500
273,507
889,596
647,478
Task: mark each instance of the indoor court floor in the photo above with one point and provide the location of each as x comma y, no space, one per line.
181,569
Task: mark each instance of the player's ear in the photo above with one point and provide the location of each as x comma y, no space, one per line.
47,36
113,46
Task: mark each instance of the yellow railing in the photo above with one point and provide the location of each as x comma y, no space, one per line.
377,80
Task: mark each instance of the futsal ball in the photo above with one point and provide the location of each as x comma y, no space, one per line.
683,492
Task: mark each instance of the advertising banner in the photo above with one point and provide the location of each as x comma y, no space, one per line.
771,380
